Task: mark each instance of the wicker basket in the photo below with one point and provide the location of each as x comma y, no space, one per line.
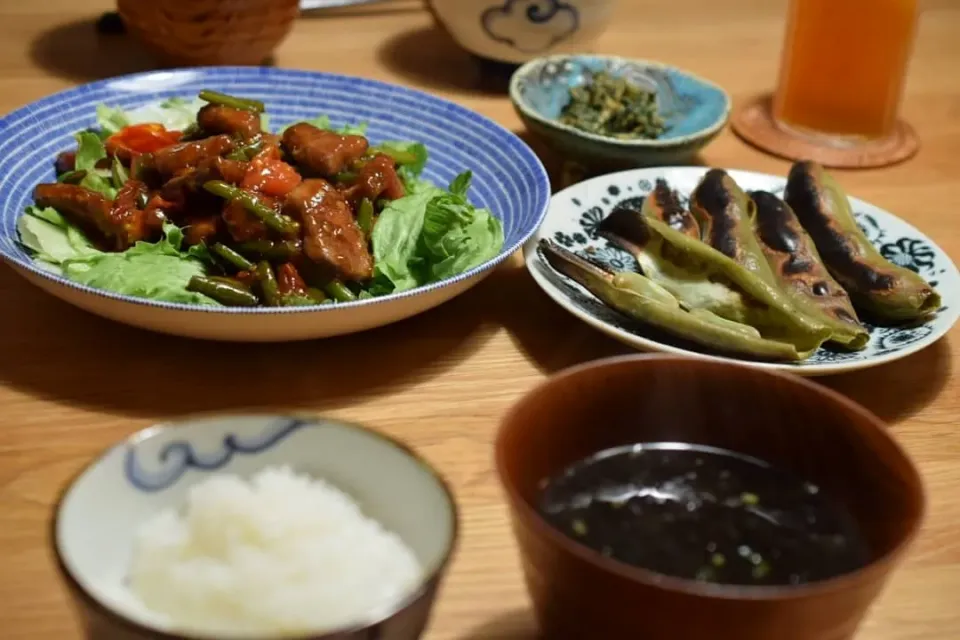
210,32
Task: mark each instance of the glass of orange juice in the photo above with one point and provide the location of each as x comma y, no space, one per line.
844,68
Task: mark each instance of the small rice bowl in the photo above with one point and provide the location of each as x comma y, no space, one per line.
280,554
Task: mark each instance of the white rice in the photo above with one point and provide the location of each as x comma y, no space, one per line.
280,554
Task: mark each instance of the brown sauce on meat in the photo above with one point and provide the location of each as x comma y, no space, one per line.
318,152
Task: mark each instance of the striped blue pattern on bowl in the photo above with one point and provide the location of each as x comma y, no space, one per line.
508,178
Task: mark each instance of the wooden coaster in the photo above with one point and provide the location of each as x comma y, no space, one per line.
753,121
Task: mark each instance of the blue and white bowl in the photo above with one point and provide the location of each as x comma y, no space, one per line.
153,470
508,178
695,109
514,31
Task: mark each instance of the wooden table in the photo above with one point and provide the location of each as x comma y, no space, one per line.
72,384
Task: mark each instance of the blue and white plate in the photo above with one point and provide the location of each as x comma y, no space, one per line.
508,179
576,212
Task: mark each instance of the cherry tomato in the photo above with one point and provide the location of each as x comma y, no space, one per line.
270,176
289,280
141,138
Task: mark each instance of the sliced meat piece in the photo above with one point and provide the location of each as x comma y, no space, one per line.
173,160
156,213
66,161
216,119
202,229
322,153
127,219
331,237
377,178
117,225
242,225
85,208
184,187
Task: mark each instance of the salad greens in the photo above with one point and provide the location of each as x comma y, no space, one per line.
431,235
90,150
426,236
158,271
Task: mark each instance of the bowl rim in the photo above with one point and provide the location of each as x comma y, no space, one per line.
532,520
429,580
524,71
229,73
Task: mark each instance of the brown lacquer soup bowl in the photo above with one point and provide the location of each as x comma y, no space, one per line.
798,428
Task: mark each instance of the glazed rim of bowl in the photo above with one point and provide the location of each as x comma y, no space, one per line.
523,72
691,587
332,634
508,250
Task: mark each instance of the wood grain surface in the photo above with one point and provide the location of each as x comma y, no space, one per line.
72,384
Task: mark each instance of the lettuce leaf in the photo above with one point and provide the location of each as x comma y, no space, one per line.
175,114
430,235
157,271
111,119
396,237
456,235
90,151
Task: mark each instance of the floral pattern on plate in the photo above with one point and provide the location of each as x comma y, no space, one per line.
576,212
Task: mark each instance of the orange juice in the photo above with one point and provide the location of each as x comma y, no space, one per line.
844,66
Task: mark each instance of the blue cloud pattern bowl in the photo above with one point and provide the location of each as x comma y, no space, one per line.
695,109
515,31
100,511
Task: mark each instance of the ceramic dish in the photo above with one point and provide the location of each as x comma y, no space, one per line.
792,424
515,31
98,513
508,179
695,110
576,211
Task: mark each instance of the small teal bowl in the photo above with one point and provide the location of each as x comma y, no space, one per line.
695,110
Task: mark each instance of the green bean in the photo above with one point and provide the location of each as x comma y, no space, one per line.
268,283
232,257
274,220
246,152
118,173
365,216
297,300
72,177
339,291
399,156
223,291
345,176
270,250
310,298
192,129
224,100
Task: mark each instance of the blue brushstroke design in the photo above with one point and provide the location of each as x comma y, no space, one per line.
179,456
536,12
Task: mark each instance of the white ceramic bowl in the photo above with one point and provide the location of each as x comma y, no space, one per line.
515,31
98,513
